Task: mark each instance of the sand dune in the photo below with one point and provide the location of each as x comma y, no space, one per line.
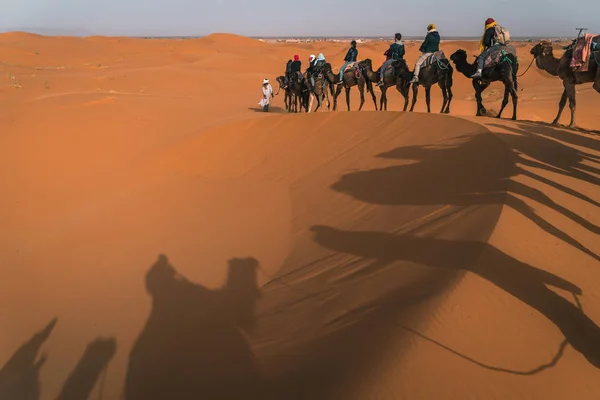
162,240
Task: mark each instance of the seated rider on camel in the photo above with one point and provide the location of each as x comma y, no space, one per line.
394,53
351,57
295,69
315,67
430,45
486,46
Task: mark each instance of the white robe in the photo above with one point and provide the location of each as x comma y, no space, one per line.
267,92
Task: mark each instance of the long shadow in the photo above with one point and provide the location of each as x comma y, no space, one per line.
521,280
192,346
93,362
19,378
476,171
535,142
272,110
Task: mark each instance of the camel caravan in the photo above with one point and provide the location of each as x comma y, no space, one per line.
497,61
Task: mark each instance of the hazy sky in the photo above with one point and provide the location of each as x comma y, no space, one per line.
301,17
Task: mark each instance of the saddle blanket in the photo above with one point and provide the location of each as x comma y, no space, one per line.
350,66
582,51
434,58
497,55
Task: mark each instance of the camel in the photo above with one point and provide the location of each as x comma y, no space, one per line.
439,72
389,80
545,60
287,99
299,91
505,71
353,77
320,91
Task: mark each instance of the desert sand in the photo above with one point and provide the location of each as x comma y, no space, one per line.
162,239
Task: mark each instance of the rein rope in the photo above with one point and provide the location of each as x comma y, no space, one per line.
518,76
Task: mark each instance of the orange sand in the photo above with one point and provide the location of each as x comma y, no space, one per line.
399,255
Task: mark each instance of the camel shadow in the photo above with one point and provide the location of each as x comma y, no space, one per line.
19,378
193,345
543,144
476,171
272,110
521,280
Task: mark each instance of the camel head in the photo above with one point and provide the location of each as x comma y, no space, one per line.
543,48
367,63
459,56
281,81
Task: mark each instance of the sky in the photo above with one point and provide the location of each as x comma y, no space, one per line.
300,18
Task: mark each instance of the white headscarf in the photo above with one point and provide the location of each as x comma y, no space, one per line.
265,81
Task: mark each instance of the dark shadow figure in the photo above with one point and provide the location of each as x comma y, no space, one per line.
95,360
480,173
552,155
521,280
19,378
192,346
272,110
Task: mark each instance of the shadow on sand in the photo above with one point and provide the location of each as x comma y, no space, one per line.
521,280
19,378
272,110
428,181
192,346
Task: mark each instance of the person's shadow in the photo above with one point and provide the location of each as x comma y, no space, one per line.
193,346
19,377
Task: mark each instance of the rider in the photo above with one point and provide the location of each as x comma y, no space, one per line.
487,44
316,67
430,45
351,57
295,68
394,53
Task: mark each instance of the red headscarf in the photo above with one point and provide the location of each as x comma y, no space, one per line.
296,58
489,21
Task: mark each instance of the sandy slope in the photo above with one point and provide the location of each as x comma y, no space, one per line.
399,255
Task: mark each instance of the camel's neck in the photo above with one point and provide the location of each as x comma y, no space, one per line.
372,75
548,63
465,68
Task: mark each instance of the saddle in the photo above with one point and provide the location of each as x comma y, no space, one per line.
436,58
350,66
583,48
499,55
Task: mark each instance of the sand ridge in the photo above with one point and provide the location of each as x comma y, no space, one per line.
328,255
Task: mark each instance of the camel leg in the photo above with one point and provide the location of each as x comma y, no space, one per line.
335,97
428,98
442,85
383,99
572,105
361,90
561,107
370,89
404,94
310,103
450,95
515,100
348,97
597,83
478,89
504,99
415,89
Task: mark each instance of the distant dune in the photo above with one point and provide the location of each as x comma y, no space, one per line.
163,238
